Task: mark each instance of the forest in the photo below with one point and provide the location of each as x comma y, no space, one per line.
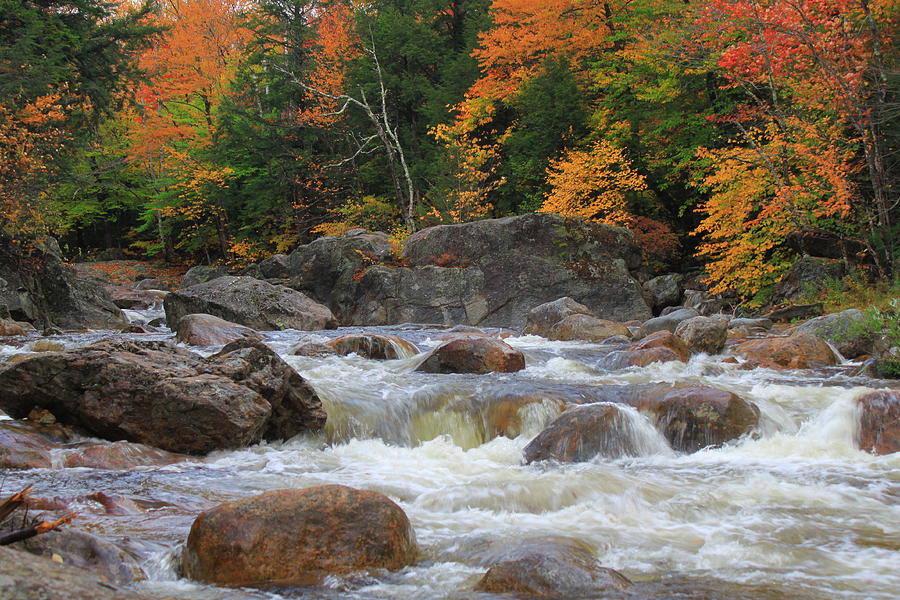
732,134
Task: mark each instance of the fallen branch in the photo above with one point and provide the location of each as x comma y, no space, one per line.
13,502
29,532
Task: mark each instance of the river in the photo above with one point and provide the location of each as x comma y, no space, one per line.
793,512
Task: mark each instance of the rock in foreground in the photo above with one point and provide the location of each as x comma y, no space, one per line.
158,394
298,537
250,302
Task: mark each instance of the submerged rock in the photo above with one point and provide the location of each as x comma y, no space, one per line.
550,567
799,351
86,551
251,302
120,456
298,537
207,330
693,418
879,422
372,346
473,355
584,432
159,394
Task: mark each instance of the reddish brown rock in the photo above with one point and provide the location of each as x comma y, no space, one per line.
473,355
503,415
583,432
664,339
692,418
879,422
297,537
116,504
207,330
10,328
795,352
376,347
550,567
21,447
118,456
622,359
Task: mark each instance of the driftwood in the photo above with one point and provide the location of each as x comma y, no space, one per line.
8,506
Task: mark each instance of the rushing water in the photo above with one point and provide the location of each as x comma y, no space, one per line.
794,512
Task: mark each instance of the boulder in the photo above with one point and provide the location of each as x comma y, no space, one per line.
509,414
376,347
664,290
312,349
623,359
202,274
543,317
668,322
879,422
664,339
750,323
275,267
806,276
152,284
799,351
844,330
586,327
199,329
86,551
692,418
550,567
473,355
10,328
121,456
132,299
584,432
24,576
159,394
23,446
40,288
298,537
251,302
703,334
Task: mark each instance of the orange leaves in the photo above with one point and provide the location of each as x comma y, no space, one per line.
593,184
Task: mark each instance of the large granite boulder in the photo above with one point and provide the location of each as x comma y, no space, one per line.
202,274
488,273
845,330
298,537
40,288
251,302
806,275
158,394
664,290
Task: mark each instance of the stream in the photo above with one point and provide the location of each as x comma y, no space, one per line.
794,512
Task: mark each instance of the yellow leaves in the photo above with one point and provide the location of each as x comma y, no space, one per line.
593,184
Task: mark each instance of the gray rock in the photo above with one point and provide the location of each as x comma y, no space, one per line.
667,322
199,329
703,334
158,394
751,323
844,330
41,289
275,267
543,317
24,576
251,302
806,275
664,290
86,551
202,274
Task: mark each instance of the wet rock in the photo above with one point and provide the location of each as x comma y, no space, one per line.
46,346
24,576
23,447
139,329
844,330
375,347
42,289
550,567
157,322
298,537
622,359
199,329
879,422
586,327
473,355
693,418
251,302
703,334
799,351
667,322
86,551
664,339
116,504
202,274
10,328
159,394
313,349
120,456
543,317
664,290
508,415
584,432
